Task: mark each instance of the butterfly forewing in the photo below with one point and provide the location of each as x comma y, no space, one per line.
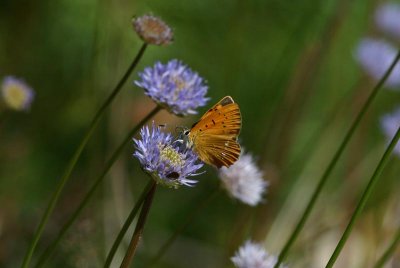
214,135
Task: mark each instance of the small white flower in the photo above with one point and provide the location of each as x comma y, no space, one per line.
375,57
243,180
390,123
253,255
387,18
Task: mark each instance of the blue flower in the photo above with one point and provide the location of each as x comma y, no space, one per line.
174,86
387,18
389,124
375,57
168,162
16,94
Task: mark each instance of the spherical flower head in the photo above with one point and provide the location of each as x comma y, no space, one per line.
167,161
16,94
244,180
174,86
152,30
253,255
387,18
375,57
389,124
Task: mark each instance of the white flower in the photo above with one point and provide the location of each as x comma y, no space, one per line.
253,255
243,180
390,123
375,57
387,18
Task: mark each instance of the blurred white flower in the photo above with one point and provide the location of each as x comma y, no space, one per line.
387,18
375,57
243,180
390,123
253,255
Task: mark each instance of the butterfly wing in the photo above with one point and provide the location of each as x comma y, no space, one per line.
217,150
214,136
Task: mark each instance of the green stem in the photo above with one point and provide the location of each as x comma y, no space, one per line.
182,227
137,234
127,223
389,251
333,162
109,164
361,204
75,157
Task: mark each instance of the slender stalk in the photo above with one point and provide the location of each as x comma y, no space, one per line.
163,249
75,157
389,251
361,204
333,162
139,227
84,202
127,223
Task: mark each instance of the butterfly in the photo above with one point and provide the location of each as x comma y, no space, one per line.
214,136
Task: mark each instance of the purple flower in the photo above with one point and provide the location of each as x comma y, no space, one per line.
174,86
389,124
387,18
375,57
168,162
16,94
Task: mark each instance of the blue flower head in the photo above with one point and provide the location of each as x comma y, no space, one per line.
375,56
16,94
174,86
168,162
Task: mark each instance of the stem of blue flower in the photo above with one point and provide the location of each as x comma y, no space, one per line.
127,223
137,234
333,162
361,204
389,251
75,157
92,190
163,249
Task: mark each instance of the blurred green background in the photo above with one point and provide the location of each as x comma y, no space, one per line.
290,66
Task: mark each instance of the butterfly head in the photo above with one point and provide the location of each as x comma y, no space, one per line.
183,136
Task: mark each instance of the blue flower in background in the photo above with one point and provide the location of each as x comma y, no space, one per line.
387,18
390,123
174,86
168,162
375,57
16,94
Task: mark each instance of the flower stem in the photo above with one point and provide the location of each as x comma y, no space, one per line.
139,227
333,162
361,204
84,202
127,223
75,157
182,227
389,251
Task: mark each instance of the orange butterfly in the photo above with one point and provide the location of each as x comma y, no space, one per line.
214,136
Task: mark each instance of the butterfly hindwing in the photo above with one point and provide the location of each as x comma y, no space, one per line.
218,150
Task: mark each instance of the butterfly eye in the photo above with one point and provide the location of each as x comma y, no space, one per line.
186,132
